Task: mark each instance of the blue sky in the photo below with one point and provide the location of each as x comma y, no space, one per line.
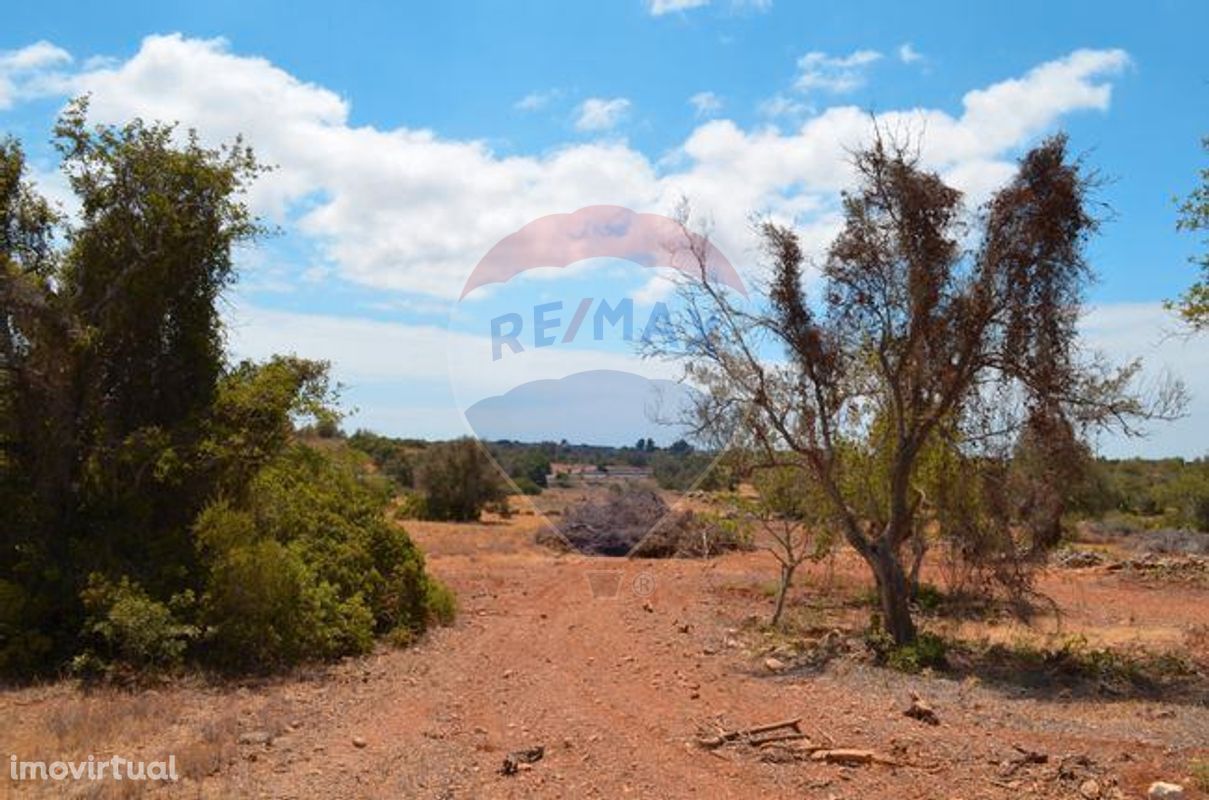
409,139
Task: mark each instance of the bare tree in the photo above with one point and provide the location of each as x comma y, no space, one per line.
918,345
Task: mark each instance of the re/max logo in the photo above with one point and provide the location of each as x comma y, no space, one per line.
507,329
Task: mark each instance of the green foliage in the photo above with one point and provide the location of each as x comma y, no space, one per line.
1193,305
683,469
1166,492
926,652
155,503
528,464
129,633
440,603
309,568
458,480
394,458
527,485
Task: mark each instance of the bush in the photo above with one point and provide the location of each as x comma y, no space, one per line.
458,480
926,652
310,569
527,485
129,633
440,603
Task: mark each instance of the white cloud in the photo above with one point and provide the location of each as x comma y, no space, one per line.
706,104
751,5
908,54
406,209
601,114
835,74
30,71
781,106
535,101
658,8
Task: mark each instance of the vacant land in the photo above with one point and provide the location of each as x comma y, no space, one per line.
617,668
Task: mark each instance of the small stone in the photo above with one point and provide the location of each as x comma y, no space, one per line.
922,711
255,737
774,664
1161,790
1090,789
647,607
359,742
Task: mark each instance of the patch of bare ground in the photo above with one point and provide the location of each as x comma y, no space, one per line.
619,668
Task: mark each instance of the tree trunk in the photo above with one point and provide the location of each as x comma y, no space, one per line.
893,592
786,580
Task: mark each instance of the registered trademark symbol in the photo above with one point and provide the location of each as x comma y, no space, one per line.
644,584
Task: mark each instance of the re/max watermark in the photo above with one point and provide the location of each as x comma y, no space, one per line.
114,768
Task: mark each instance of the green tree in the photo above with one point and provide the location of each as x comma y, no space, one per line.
126,437
1193,305
458,480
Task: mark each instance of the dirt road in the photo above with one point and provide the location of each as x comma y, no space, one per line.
614,667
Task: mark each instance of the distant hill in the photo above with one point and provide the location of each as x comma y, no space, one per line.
597,406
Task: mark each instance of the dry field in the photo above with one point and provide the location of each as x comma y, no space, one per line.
618,667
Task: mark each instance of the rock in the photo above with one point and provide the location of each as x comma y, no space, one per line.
522,759
774,664
255,737
647,607
1090,789
1161,790
922,711
359,742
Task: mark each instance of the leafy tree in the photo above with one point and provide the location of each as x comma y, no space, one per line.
458,480
393,457
1193,305
913,338
126,437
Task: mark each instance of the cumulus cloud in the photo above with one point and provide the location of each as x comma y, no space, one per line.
706,104
601,114
834,74
409,210
30,72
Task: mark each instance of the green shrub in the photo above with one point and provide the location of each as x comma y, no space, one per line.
128,632
458,480
926,652
310,569
928,598
440,603
411,506
527,485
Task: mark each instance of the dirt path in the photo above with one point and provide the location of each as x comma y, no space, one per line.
613,666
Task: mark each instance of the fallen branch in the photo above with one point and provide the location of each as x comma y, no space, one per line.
748,734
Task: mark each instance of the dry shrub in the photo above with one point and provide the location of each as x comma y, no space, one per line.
637,522
213,747
81,722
